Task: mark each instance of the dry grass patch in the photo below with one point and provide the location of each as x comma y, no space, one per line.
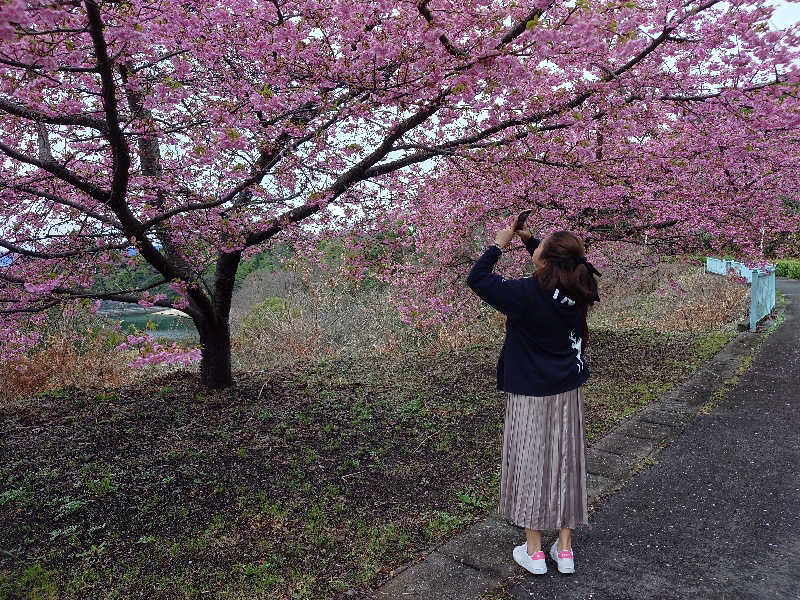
667,296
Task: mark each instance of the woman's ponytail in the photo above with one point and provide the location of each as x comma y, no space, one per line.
566,268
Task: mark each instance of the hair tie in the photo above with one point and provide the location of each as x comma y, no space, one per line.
590,266
571,263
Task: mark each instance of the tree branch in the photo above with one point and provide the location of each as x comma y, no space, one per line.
35,68
29,309
121,161
520,27
353,175
470,141
120,296
35,254
120,155
64,201
422,7
60,171
34,115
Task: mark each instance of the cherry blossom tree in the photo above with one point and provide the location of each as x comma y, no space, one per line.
203,132
715,176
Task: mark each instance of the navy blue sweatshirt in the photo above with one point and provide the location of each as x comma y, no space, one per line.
542,352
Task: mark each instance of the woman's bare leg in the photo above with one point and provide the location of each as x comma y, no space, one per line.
565,539
534,538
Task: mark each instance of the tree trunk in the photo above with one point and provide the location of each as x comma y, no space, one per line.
215,330
215,364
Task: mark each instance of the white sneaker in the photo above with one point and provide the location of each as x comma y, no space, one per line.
533,563
563,558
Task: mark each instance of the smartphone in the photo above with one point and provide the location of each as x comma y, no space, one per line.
521,218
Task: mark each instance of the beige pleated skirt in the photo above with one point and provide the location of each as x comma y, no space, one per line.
543,470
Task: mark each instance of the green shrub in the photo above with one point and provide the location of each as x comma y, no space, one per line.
793,271
788,268
273,305
35,583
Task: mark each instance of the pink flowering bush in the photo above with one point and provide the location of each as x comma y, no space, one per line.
151,352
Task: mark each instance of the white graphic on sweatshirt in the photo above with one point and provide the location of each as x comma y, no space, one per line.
565,300
576,345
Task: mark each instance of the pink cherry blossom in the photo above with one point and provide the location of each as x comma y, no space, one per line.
199,133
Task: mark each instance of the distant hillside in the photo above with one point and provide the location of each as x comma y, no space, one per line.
133,277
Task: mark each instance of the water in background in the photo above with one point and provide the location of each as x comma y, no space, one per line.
170,327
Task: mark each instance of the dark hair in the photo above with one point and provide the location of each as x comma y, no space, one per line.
561,253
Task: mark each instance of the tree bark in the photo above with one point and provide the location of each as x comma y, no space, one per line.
215,364
214,329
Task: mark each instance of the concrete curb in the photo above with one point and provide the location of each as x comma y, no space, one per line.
478,560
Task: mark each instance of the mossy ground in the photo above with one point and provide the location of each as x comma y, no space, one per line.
296,483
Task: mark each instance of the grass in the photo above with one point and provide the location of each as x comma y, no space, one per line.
296,483
776,323
644,463
34,583
719,394
314,480
636,367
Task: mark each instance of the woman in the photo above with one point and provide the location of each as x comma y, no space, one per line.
541,368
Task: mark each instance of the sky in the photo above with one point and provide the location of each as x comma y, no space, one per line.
786,13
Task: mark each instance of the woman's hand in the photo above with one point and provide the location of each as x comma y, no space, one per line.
503,237
524,234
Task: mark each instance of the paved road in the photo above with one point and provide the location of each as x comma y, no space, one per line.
719,516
